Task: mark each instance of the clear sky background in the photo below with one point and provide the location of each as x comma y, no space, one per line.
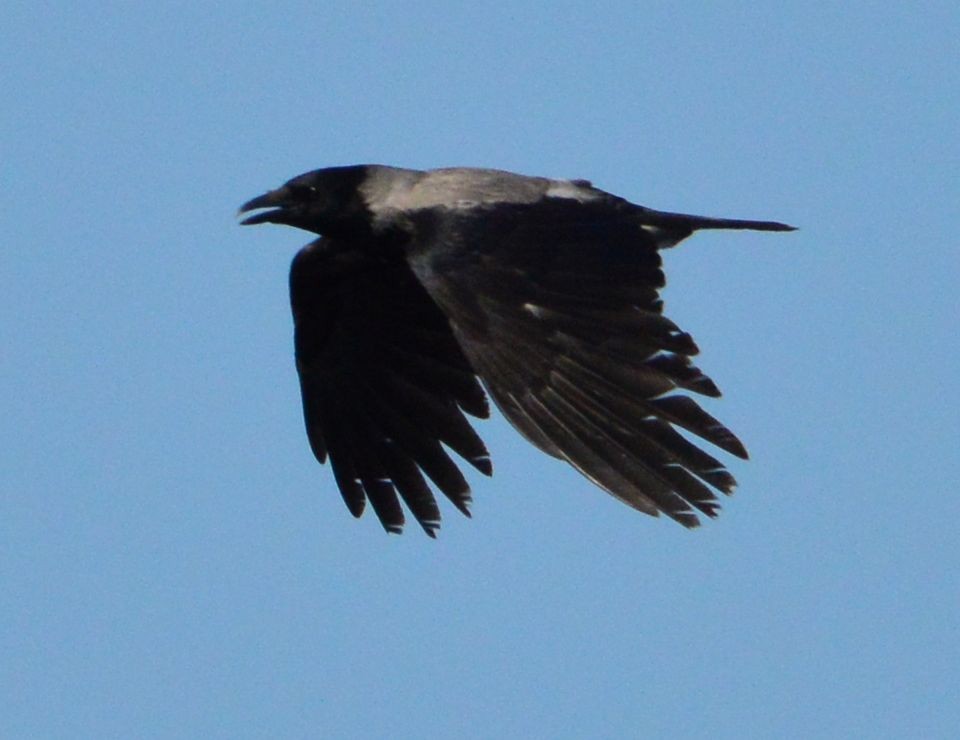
174,563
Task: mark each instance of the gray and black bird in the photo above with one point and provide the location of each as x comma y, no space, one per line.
427,287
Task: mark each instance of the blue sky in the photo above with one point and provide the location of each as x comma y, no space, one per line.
175,564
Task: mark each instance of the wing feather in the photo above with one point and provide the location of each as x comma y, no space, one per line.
556,306
384,383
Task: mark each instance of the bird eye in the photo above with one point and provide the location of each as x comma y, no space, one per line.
303,191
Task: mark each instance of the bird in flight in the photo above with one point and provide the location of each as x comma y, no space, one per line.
427,287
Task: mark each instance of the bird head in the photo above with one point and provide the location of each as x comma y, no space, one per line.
325,201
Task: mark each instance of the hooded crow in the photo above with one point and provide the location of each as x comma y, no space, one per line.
425,287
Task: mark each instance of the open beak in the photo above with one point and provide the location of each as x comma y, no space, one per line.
275,200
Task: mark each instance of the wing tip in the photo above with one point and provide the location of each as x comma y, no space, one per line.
735,447
483,463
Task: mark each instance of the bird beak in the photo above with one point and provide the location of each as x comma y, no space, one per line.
274,200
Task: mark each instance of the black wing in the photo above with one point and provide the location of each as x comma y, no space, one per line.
383,383
556,306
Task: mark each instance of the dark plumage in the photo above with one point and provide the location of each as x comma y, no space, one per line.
546,290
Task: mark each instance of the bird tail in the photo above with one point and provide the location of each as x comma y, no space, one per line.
669,229
684,221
